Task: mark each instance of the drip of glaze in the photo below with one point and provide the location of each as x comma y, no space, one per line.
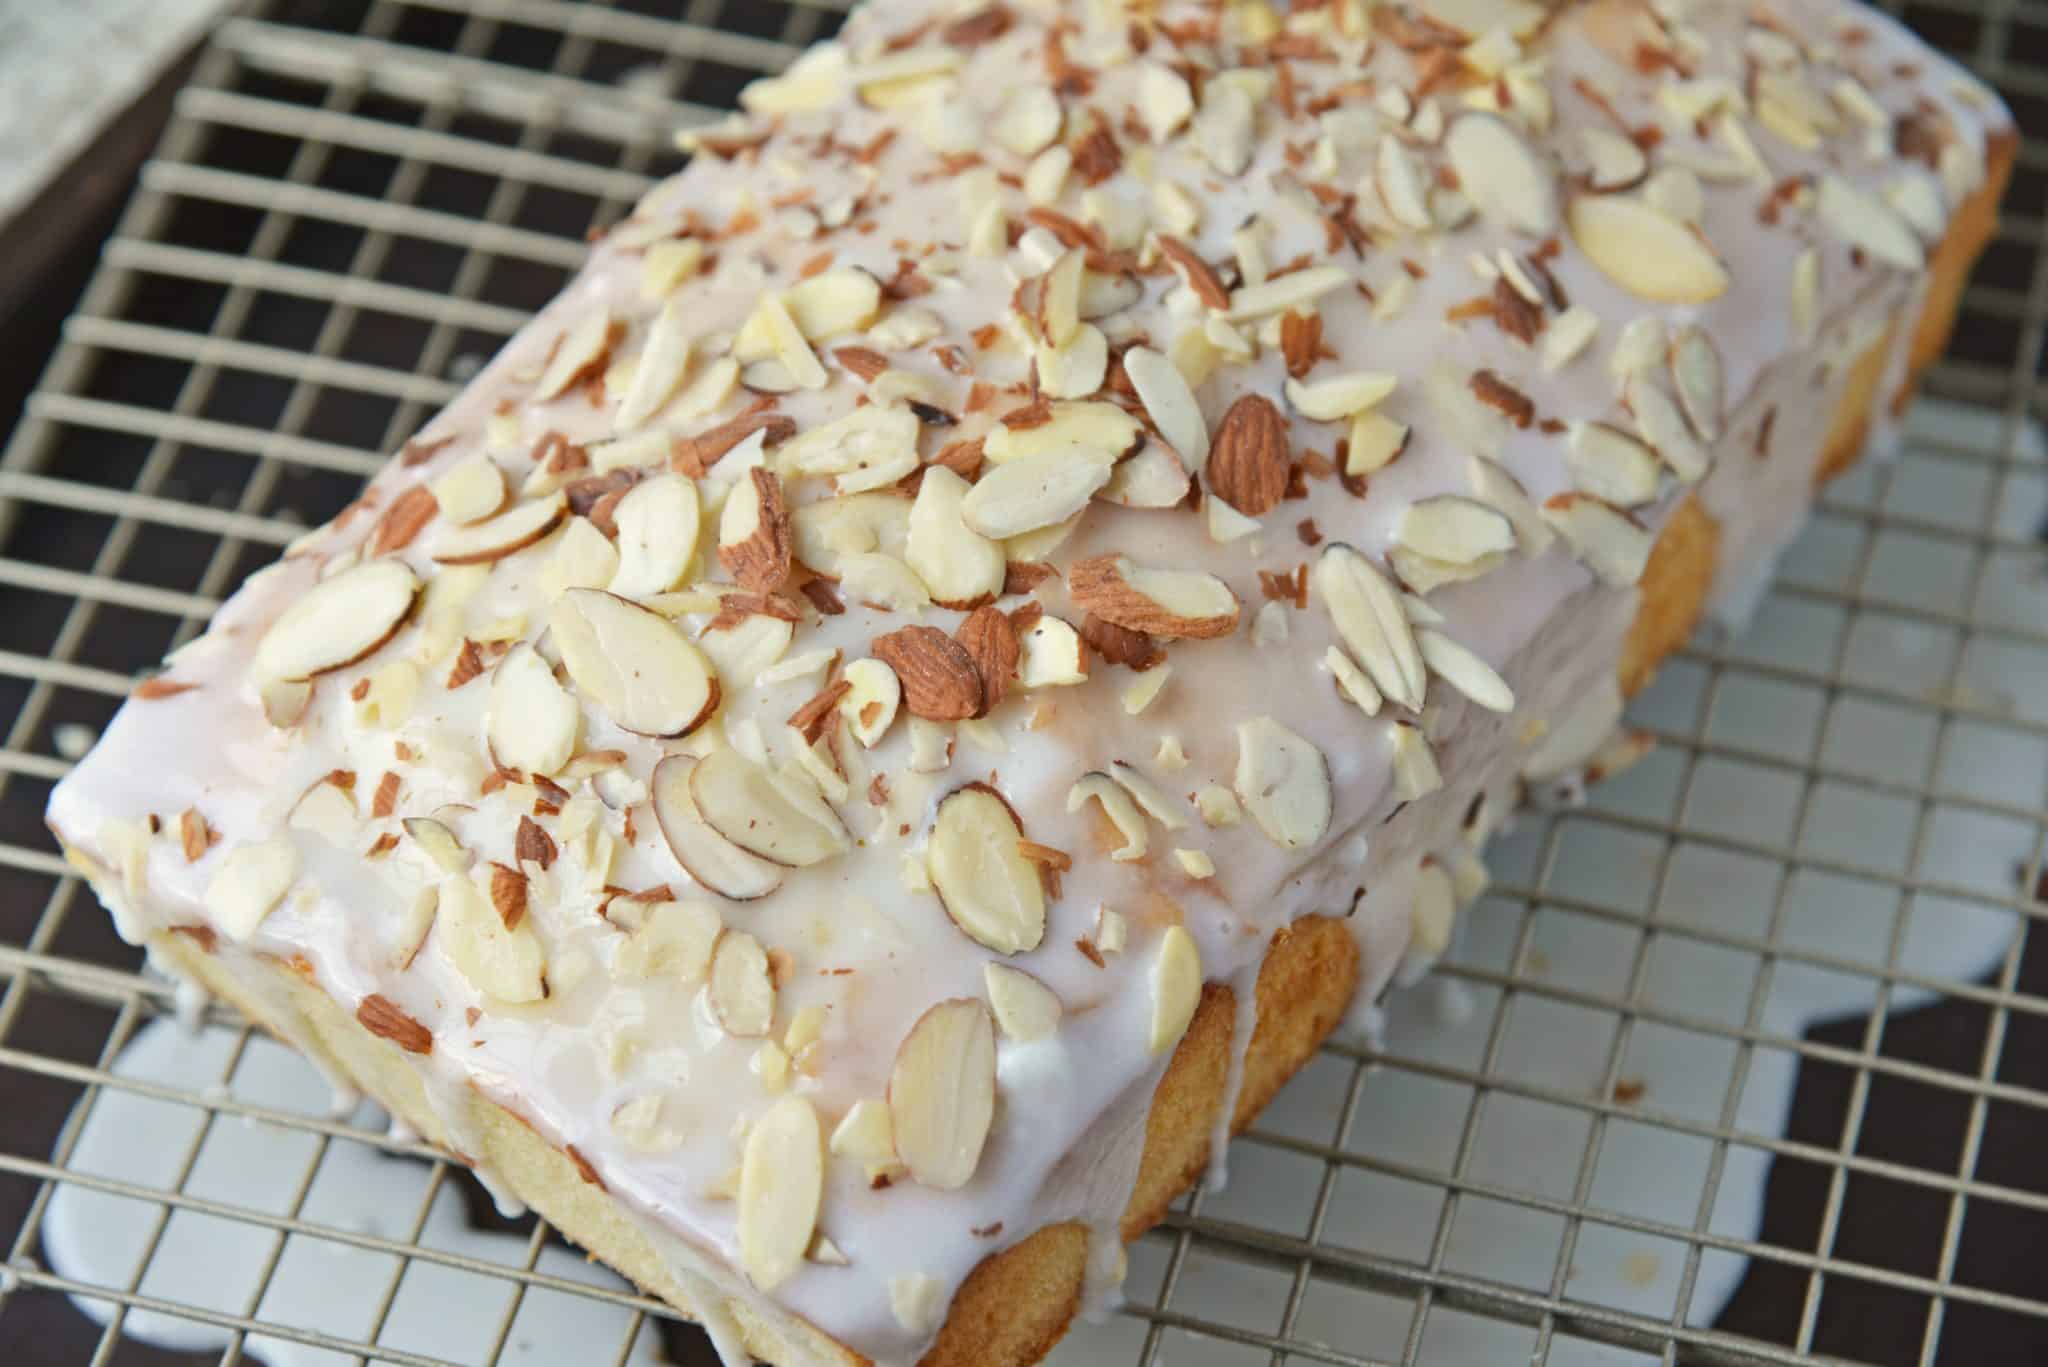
191,1005
1244,985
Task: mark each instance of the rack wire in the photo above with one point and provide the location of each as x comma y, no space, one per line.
356,202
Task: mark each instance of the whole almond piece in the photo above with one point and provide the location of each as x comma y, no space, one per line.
942,1093
1248,458
991,639
939,677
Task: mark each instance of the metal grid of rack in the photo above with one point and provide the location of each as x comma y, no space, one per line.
356,202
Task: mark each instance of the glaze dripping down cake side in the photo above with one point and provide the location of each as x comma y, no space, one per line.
909,700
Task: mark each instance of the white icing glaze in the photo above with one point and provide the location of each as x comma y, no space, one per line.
859,944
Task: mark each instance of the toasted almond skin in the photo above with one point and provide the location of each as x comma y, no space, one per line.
694,456
379,1015
1098,586
403,520
1120,645
941,681
1248,460
991,639
761,562
1202,277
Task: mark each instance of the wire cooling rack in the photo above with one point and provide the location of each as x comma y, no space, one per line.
1746,1060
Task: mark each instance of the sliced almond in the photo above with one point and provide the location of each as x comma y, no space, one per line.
942,1093
1495,487
1165,100
1296,289
531,722
754,538
1374,443
1283,781
666,265
1453,529
1172,604
1863,220
435,840
1051,655
583,559
869,448
708,857
1025,1008
961,567
1613,162
1368,616
870,703
658,523
1502,175
1664,427
1650,254
884,582
1415,769
741,647
1465,671
865,1133
580,352
656,375
337,622
741,991
646,675
1338,396
248,883
470,492
790,349
495,538
1170,404
1039,490
773,815
824,531
1102,426
500,961
329,811
833,303
1073,369
1607,540
1122,812
1059,297
283,701
1696,375
1029,119
1176,988
782,1182
987,886
1398,177
673,941
1154,478
1608,463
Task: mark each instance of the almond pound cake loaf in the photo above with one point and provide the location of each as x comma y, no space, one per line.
906,703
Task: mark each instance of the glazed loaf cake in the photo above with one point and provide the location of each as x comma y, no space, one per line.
902,706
